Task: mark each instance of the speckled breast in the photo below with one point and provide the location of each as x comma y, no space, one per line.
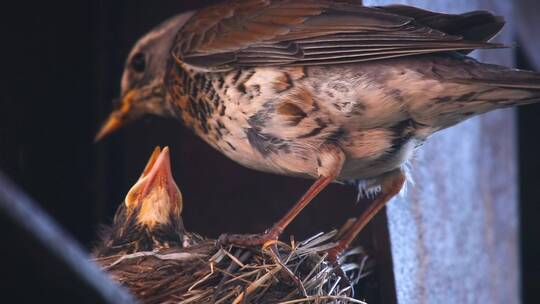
276,119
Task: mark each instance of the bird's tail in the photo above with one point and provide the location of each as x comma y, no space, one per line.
510,88
467,70
478,88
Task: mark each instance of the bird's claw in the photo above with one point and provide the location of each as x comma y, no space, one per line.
333,256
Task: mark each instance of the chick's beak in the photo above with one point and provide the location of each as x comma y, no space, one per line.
160,175
155,192
151,161
117,118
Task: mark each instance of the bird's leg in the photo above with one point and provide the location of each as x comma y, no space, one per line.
330,162
391,185
273,233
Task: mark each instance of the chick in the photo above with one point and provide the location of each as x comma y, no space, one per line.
150,216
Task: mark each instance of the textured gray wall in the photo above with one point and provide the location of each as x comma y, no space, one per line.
526,12
454,236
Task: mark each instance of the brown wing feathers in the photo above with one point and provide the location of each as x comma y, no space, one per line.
472,26
303,32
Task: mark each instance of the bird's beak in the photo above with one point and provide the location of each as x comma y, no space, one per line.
160,175
155,192
151,161
117,118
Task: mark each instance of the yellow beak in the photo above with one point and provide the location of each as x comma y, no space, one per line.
117,118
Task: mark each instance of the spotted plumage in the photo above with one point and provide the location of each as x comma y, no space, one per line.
329,90
370,110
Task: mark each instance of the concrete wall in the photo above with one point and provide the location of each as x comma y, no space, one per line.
454,236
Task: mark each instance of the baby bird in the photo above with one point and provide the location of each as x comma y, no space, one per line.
329,90
149,219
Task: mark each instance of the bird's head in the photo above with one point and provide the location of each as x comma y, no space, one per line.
155,198
143,80
150,217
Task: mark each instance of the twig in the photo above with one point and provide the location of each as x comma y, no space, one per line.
178,256
319,298
256,284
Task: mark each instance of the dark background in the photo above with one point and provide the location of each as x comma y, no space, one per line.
60,73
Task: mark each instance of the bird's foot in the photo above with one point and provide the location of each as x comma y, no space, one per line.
333,256
249,240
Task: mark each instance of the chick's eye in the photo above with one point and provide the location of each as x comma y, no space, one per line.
138,62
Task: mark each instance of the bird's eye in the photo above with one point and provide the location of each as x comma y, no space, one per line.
138,62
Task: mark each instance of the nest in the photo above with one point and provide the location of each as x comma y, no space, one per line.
276,273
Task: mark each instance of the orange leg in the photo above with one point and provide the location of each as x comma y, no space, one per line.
391,186
273,233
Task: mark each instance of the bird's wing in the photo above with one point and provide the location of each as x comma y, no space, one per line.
246,33
472,26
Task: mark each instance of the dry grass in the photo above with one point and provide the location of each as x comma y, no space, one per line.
277,273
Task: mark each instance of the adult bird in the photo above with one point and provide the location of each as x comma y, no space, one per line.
328,90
